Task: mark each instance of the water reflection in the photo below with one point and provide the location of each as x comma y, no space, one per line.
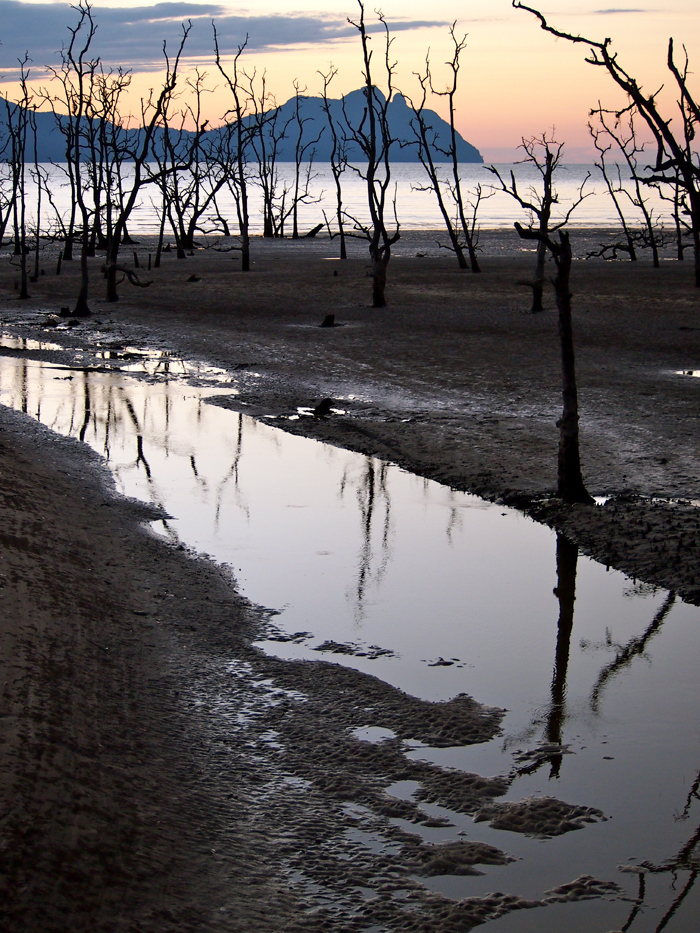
626,654
553,733
399,572
374,501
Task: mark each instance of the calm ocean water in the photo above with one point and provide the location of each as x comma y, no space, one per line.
416,209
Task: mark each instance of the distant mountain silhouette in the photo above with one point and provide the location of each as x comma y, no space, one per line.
349,110
52,148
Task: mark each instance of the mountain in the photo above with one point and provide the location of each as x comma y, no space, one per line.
348,110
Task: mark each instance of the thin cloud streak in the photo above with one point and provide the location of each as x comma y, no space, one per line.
133,36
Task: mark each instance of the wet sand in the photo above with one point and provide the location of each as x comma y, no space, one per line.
126,804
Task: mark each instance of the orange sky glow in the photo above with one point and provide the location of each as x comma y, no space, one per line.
515,80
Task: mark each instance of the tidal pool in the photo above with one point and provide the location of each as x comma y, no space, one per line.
436,592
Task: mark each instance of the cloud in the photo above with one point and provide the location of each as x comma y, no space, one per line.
133,36
613,10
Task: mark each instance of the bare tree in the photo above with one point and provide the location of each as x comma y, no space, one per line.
545,155
76,80
612,176
676,155
18,126
570,485
461,230
304,155
373,136
268,129
468,228
425,137
235,140
137,150
338,160
650,235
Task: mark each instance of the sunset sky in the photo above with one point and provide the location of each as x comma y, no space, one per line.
515,80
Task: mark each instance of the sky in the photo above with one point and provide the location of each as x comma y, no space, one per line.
515,80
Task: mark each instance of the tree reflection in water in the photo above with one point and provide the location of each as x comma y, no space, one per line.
373,498
626,654
687,858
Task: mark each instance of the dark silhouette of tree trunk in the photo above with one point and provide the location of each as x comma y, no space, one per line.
338,161
425,137
570,485
40,179
235,143
567,563
676,158
373,136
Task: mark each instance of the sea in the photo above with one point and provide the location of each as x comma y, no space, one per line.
409,201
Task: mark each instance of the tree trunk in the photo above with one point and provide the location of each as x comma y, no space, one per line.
111,268
245,252
82,308
570,486
379,264
538,283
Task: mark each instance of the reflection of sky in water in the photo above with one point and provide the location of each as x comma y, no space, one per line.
358,552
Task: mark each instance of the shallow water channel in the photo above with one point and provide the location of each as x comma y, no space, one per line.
436,592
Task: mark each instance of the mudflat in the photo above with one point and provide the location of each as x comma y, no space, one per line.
123,806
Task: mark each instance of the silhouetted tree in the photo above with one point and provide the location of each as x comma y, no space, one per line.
625,138
570,485
18,128
676,152
138,150
467,226
338,161
374,138
235,138
544,154
303,166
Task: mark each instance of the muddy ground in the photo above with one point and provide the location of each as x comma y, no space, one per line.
158,773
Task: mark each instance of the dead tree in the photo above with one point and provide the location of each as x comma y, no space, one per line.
462,231
570,485
612,177
76,79
18,126
338,160
189,192
625,138
301,193
425,138
468,228
137,150
373,136
268,130
676,155
545,155
6,187
235,142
